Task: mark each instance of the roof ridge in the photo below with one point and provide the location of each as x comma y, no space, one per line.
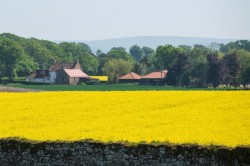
132,75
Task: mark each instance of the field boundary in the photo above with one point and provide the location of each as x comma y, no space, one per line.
25,152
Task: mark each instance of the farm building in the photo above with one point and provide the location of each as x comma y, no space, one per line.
60,73
130,77
39,76
58,66
71,76
154,78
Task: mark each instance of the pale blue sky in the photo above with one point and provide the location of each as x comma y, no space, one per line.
103,19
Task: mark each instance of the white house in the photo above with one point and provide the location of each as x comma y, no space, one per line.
39,76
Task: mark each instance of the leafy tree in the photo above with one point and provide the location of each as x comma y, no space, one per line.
231,68
74,50
145,66
240,44
88,62
198,65
115,68
102,60
122,49
175,75
10,54
147,51
119,53
213,69
244,63
136,52
245,77
214,46
164,57
39,53
25,66
99,52
185,49
55,50
13,37
83,53
114,53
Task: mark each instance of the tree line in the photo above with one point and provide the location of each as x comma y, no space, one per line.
197,66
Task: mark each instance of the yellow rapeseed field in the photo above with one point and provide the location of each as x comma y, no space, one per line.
101,78
200,117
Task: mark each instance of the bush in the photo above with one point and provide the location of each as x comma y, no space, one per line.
93,82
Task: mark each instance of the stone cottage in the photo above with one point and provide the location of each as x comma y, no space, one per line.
71,76
59,66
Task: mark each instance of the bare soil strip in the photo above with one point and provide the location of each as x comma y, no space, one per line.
13,89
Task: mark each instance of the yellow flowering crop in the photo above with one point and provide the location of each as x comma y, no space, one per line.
101,78
201,117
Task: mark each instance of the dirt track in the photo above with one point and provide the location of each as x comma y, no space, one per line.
13,89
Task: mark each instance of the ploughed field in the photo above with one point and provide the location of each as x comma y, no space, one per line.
178,117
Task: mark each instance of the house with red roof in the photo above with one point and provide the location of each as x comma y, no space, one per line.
60,73
130,77
154,78
59,66
71,76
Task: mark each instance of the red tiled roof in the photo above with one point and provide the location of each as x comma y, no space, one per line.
130,76
156,75
77,73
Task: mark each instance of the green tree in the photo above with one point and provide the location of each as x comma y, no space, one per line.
244,65
145,66
114,53
10,54
164,57
25,66
232,68
147,51
99,52
213,69
81,51
245,77
185,49
119,53
88,62
115,68
40,54
240,44
102,60
198,66
175,74
136,52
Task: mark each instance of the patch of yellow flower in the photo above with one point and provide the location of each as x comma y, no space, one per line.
200,117
101,78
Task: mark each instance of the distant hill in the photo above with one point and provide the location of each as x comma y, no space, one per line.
151,41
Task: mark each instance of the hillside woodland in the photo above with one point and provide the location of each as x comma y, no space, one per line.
197,66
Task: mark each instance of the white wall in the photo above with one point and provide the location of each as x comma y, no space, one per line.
47,80
52,78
